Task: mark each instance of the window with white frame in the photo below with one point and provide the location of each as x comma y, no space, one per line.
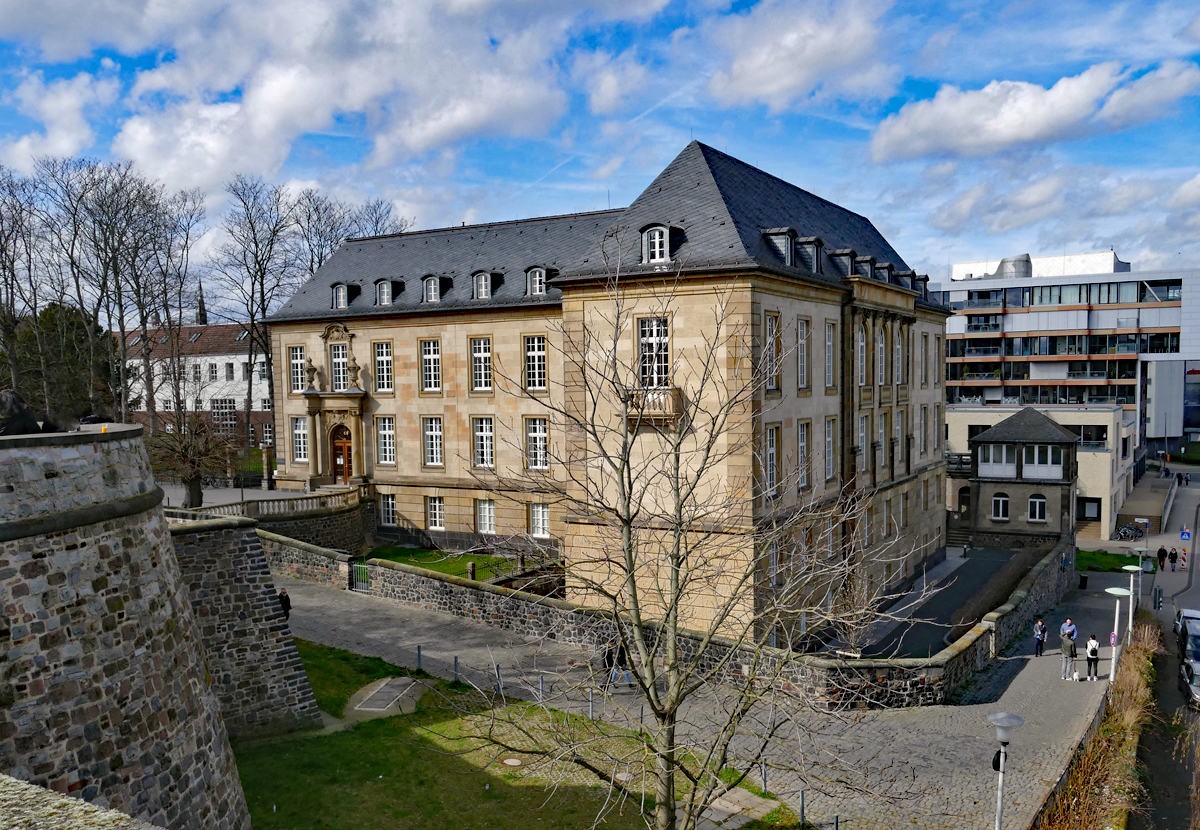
383,366
1037,508
212,372
383,292
245,370
899,424
830,438
385,439
539,520
535,362
483,286
864,430
881,423
431,366
997,460
229,371
924,359
485,516
830,354
1042,461
224,414
656,245
196,372
339,296
197,405
485,442
481,364
771,460
771,352
862,355
1000,507
880,357
387,509
431,290
536,282
164,405
802,354
537,444
435,513
261,365
654,359
431,429
802,453
339,371
296,362
268,434
266,404
299,439
898,358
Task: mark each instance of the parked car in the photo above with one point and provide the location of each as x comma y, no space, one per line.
1189,682
1189,640
1183,614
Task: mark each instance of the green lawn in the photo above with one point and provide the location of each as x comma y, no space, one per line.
444,561
416,771
1099,560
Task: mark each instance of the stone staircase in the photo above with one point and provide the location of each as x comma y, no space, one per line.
1087,530
957,537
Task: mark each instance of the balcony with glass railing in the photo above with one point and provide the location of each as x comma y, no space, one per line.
982,351
984,327
1090,374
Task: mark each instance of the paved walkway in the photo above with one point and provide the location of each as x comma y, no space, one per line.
927,768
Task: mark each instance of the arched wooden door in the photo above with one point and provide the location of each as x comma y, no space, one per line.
340,438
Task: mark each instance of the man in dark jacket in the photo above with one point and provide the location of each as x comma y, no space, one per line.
1067,634
285,604
1162,558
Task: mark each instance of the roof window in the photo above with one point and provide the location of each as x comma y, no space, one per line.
655,248
242,335
340,299
135,340
431,290
483,286
536,282
383,292
194,336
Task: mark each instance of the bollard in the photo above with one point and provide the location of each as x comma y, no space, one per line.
456,668
418,658
471,571
591,708
835,823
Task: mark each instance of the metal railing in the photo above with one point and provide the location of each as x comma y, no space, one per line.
655,404
270,507
976,327
1093,446
981,376
982,351
1088,375
958,463
981,303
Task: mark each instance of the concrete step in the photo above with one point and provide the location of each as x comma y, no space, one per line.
1087,530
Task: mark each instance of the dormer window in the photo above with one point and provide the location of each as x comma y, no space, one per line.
656,245
483,286
431,291
194,336
537,282
781,243
340,299
383,293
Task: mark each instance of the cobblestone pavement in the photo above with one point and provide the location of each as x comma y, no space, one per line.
927,768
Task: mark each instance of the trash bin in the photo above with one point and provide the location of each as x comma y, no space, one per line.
1083,582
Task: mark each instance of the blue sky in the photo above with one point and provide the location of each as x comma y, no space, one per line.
963,130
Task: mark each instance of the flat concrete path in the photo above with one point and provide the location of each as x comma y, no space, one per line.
926,768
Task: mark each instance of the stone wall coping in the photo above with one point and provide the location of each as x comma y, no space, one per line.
209,525
304,546
279,518
87,434
31,806
80,516
1024,586
488,588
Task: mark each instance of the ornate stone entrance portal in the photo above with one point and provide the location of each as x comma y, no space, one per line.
342,449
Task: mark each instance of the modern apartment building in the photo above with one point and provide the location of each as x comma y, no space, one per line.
1080,329
426,365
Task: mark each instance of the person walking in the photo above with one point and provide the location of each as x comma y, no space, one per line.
1067,634
622,664
1187,479
1039,637
1173,556
285,604
1092,651
607,658
1162,558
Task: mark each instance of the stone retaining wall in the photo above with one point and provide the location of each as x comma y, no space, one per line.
256,670
338,527
841,683
304,561
26,807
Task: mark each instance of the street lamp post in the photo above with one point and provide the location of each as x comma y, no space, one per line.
1135,597
1005,723
1116,641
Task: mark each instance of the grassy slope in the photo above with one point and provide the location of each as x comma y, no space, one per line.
1098,560
446,562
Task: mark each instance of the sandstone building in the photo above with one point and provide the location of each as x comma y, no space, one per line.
427,366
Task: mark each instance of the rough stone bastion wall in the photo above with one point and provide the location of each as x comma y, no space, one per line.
104,689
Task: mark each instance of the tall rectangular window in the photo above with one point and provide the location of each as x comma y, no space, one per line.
898,358
881,423
864,430
771,460
900,436
536,444
383,367
295,387
431,366
228,371
268,434
339,373
485,438
802,453
937,360
924,358
266,404
771,344
485,516
881,357
387,509
924,429
830,460
937,426
535,362
212,371
262,369
830,353
802,354
435,513
245,370
653,353
539,520
296,362
385,439
481,364
299,439
431,429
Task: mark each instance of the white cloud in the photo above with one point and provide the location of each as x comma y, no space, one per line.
1001,115
59,106
1150,95
955,215
1187,196
1192,32
608,80
783,52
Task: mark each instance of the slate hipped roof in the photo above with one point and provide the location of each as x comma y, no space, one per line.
1026,427
716,207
